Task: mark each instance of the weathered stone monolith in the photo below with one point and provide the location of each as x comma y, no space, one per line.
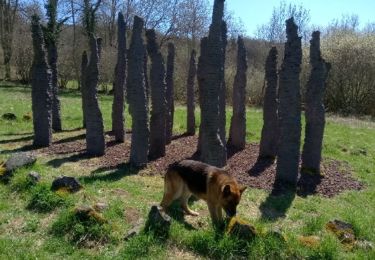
237,133
315,112
289,112
41,92
212,149
269,138
190,94
118,106
169,95
95,142
137,96
158,101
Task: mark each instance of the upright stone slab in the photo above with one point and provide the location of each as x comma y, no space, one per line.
212,149
137,97
269,138
169,95
84,62
290,108
118,106
237,133
95,142
315,112
41,89
158,101
190,94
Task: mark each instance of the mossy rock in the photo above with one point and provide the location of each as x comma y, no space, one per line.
241,229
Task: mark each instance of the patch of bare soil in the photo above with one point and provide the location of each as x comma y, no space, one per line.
243,165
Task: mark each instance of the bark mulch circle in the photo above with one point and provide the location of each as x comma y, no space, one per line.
243,165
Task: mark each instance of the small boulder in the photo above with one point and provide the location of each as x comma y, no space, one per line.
86,213
343,231
158,222
69,184
19,160
241,229
9,116
34,177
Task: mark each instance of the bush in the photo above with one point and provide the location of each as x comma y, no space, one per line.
81,230
44,200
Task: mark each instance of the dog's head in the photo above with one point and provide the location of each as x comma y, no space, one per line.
231,195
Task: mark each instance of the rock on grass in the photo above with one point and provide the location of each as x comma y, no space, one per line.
69,184
241,229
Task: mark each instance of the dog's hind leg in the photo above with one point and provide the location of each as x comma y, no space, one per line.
184,203
172,189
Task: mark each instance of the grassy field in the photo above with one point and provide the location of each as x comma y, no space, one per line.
36,223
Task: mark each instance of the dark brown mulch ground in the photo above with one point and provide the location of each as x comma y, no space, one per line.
243,165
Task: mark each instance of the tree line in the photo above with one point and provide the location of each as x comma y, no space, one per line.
345,44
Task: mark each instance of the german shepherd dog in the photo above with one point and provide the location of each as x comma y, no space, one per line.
212,184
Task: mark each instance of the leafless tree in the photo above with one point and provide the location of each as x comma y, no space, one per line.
8,12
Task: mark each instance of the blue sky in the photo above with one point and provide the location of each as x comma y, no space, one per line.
256,12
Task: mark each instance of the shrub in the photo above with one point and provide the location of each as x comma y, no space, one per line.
44,200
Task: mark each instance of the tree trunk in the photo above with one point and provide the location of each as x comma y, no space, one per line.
84,62
7,53
237,133
170,93
213,150
56,107
158,101
190,94
315,112
95,141
269,139
290,108
41,89
137,96
118,124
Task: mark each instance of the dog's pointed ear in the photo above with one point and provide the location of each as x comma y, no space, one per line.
226,190
242,189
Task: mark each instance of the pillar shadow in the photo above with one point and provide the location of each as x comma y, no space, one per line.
176,137
278,201
16,140
110,174
231,151
70,139
308,183
25,148
260,166
56,163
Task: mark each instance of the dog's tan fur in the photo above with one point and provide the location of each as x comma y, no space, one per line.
212,184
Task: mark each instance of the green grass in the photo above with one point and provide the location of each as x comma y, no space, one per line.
37,223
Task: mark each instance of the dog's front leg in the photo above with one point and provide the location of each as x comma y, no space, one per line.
213,212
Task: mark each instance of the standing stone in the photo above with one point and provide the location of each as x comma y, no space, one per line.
315,113
169,95
137,96
212,149
95,142
158,101
269,139
202,61
118,106
84,62
289,108
237,133
41,92
190,94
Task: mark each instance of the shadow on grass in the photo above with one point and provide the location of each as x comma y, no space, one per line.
278,201
176,213
25,148
70,139
110,173
21,139
260,166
